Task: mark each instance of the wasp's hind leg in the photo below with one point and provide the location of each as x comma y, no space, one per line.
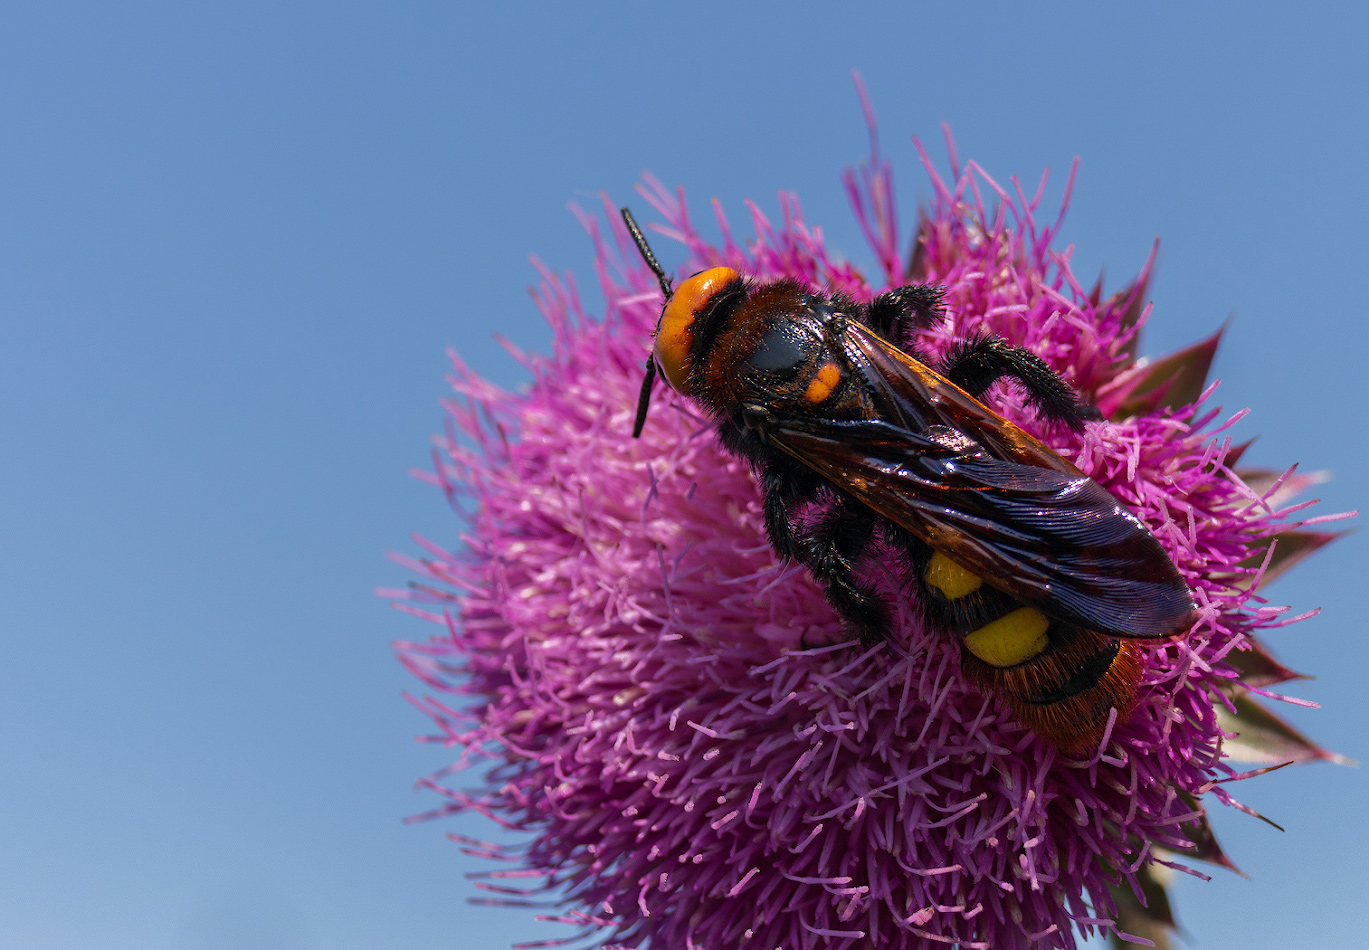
979,362
830,547
896,313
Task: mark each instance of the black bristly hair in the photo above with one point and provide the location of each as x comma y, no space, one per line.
976,363
644,399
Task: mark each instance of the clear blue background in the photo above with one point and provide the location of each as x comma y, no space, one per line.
236,238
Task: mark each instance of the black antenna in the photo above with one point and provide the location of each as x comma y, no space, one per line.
647,256
644,399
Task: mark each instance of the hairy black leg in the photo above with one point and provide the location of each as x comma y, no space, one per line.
896,313
831,548
977,363
784,490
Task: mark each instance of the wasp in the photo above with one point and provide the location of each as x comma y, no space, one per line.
1043,576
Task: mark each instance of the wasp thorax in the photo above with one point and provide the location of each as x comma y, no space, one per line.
784,349
675,332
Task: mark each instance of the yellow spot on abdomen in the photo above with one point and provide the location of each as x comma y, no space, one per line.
823,383
1011,639
950,578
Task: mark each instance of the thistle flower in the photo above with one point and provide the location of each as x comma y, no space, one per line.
675,718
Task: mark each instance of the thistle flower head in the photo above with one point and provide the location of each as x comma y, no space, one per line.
674,716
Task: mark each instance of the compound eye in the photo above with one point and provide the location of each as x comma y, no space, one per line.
675,333
784,350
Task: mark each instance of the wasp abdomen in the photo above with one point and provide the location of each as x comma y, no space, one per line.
1060,681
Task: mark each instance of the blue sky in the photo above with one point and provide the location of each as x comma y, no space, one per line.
235,240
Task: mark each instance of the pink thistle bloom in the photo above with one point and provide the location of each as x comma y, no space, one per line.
632,666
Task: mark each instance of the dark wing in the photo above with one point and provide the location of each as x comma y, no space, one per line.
991,497
907,394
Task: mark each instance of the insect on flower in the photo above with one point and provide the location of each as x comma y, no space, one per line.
1042,575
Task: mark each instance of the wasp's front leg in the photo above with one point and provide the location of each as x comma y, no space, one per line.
830,548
